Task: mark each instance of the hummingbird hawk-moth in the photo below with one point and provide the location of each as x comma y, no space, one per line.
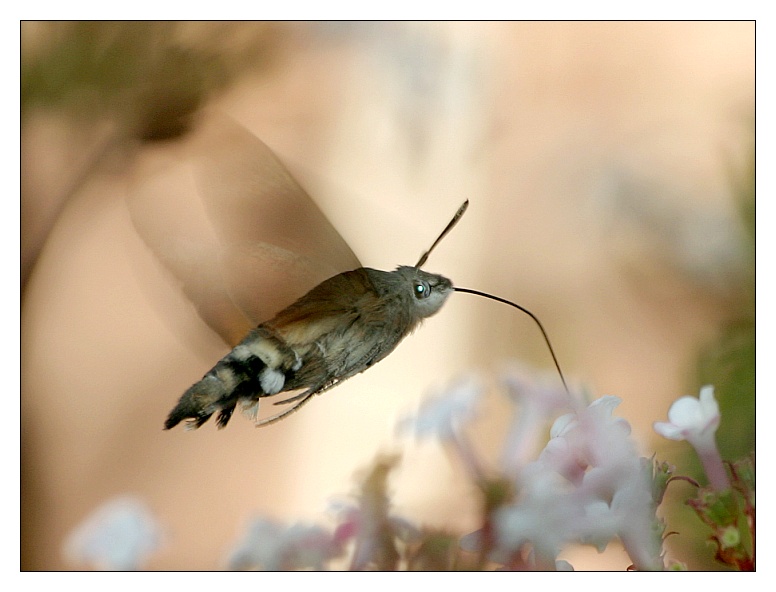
263,224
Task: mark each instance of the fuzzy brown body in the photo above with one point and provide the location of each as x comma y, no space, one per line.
338,329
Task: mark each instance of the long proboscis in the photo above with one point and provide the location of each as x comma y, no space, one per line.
530,314
424,258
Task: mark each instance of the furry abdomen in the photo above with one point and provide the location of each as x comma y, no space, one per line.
257,367
339,329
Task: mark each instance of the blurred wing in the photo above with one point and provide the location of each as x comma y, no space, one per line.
228,221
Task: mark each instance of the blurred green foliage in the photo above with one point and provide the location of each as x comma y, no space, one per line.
728,363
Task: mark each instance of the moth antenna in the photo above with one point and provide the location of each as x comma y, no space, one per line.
447,229
526,311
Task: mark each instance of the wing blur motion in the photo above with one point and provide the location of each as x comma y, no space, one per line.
228,221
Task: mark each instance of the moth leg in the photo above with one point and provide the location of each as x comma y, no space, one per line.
301,395
276,418
311,391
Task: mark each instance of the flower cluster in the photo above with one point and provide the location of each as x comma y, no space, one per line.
588,485
273,546
584,485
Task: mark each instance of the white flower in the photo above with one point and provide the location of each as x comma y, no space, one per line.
441,415
696,420
691,419
592,438
120,535
586,486
629,515
272,546
547,518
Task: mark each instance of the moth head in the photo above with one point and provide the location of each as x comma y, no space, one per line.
429,291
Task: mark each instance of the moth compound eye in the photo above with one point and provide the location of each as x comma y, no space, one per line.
422,290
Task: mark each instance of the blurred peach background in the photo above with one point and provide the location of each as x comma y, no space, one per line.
597,159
